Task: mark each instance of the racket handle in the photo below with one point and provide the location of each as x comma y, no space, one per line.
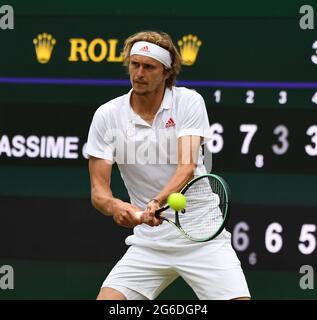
159,214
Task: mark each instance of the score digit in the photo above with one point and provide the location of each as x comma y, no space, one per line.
283,97
281,132
312,150
215,145
307,239
217,95
240,238
273,238
250,97
250,130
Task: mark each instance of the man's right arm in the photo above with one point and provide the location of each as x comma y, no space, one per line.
102,198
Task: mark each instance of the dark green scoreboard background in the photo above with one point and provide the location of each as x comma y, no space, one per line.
257,72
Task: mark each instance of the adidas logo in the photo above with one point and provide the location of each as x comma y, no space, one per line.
44,44
189,47
145,49
170,123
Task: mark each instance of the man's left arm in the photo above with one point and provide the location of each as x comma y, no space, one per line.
188,152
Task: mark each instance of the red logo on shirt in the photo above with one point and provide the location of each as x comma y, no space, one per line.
170,123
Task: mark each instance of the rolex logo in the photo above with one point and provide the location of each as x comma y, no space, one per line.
44,44
189,47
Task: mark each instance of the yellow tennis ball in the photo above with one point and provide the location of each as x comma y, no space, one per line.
176,201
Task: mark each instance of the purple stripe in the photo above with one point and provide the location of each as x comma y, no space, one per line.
188,83
248,84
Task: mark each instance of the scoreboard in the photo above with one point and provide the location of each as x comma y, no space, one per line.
258,77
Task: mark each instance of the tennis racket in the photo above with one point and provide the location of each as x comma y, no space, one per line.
208,201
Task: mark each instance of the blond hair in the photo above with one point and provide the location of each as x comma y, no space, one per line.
161,39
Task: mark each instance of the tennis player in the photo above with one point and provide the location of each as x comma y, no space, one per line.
155,134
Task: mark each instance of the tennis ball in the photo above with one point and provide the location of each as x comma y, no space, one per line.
176,201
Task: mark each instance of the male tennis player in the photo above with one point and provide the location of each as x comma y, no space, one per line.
154,133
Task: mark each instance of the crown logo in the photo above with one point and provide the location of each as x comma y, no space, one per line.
189,47
44,44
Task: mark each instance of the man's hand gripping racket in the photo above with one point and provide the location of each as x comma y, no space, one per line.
207,208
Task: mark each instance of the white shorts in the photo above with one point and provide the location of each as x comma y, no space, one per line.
212,269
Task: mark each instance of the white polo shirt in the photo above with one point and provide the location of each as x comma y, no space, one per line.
146,155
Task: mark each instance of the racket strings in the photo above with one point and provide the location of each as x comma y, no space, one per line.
203,215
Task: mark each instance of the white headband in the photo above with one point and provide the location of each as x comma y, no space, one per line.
152,50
